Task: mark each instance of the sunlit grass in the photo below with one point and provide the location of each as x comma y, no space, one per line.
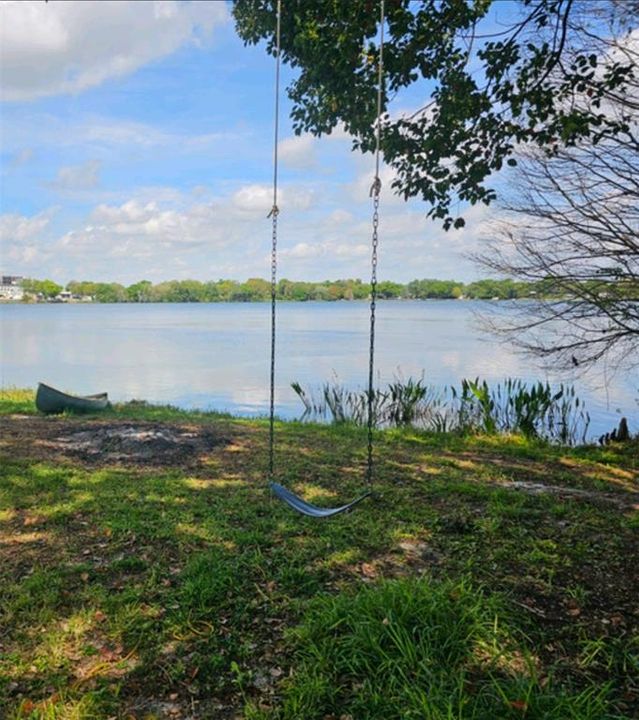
17,400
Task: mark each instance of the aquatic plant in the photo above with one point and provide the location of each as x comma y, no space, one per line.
534,410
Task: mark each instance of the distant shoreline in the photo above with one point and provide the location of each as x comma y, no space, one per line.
259,290
253,302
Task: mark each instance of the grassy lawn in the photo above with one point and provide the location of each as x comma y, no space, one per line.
490,578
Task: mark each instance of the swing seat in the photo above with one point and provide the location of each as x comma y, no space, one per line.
306,508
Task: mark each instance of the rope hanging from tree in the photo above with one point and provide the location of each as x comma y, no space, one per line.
280,491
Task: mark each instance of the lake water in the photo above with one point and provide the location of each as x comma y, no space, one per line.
216,356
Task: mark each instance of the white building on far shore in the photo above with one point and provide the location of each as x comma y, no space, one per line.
11,288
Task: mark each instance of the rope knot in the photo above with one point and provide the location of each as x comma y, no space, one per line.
375,187
275,211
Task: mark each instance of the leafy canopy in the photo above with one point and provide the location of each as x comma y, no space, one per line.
485,91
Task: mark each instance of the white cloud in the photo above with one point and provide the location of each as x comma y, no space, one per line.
78,177
162,233
304,250
296,198
259,198
339,217
66,47
22,239
111,132
162,239
24,255
298,152
173,223
328,249
254,198
337,243
139,229
129,212
18,228
119,132
339,133
360,188
346,250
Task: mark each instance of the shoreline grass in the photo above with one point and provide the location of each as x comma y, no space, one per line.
157,590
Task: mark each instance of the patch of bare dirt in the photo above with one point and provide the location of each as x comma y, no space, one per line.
114,442
578,481
136,443
628,501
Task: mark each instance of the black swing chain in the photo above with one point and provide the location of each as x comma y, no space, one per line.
374,193
271,444
273,215
371,356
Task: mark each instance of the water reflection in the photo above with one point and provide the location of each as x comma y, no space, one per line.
217,356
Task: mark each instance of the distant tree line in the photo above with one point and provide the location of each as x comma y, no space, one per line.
258,290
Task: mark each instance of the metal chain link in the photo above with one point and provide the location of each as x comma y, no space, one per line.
273,215
371,364
375,191
271,439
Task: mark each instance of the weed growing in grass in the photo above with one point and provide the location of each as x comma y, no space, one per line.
611,655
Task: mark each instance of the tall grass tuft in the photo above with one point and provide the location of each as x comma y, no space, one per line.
405,399
401,403
534,410
415,648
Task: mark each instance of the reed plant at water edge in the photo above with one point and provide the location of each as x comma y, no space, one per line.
536,411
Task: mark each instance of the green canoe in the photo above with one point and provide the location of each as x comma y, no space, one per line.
51,401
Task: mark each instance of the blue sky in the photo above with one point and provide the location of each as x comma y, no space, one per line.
136,142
